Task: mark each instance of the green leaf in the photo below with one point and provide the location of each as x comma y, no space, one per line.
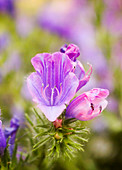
14,159
6,157
40,143
58,149
36,113
82,139
41,134
43,126
30,122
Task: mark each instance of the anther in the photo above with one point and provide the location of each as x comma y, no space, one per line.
92,106
100,108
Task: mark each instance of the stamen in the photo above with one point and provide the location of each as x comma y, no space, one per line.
92,106
57,90
60,89
52,96
43,92
60,93
45,89
73,69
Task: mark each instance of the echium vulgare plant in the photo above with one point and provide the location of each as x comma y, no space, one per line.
53,86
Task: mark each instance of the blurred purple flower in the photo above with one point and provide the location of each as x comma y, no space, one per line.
113,105
25,92
24,25
18,110
4,41
21,153
13,63
11,132
112,17
7,6
117,54
99,125
53,84
88,105
74,22
2,140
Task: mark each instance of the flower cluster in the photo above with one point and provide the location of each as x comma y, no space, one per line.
8,135
57,78
11,132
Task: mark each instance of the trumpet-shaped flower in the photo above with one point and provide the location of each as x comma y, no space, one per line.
88,105
53,84
73,52
2,140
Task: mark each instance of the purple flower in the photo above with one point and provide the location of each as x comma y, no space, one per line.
53,84
7,6
11,132
117,54
88,105
113,14
13,63
73,52
25,92
24,25
2,140
4,41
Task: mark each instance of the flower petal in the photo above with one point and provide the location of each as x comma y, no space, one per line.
69,87
52,112
52,67
34,83
85,79
2,140
79,70
52,72
97,92
103,93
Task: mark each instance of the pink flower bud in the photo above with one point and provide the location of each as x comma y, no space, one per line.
71,50
88,105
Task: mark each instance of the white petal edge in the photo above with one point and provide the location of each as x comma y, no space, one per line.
52,112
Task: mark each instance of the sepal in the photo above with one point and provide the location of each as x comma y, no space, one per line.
57,141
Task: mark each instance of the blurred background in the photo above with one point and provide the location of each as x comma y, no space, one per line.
28,27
